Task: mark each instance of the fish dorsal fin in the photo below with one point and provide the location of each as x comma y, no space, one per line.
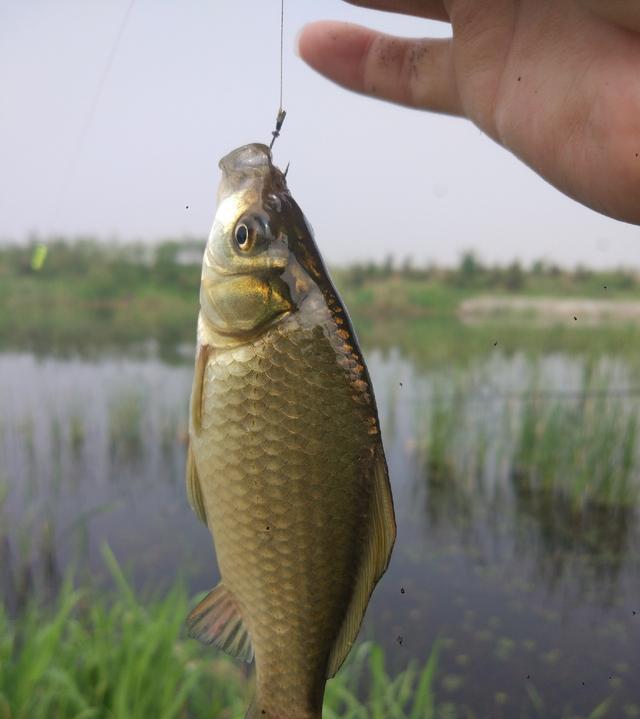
217,620
377,552
194,490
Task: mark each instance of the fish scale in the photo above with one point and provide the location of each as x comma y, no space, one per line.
259,563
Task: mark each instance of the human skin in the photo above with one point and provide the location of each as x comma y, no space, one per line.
556,82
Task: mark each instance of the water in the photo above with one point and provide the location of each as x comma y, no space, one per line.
536,603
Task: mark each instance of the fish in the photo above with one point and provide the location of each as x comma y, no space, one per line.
285,462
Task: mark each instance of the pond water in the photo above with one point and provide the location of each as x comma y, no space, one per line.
527,576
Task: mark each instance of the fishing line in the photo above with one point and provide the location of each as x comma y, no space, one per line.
281,113
281,47
90,116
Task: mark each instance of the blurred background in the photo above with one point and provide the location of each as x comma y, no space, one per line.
499,319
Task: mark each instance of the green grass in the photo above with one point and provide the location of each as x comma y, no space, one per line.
444,415
126,417
117,657
109,659
542,710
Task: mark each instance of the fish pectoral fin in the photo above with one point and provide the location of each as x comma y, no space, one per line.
375,559
217,620
202,357
194,490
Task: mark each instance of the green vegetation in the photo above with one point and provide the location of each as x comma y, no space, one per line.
555,464
90,656
411,291
118,657
565,464
86,293
126,415
83,293
585,451
111,658
582,448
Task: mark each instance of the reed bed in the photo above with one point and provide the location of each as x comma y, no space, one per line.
581,447
585,450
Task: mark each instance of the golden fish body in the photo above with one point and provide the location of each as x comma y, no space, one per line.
286,464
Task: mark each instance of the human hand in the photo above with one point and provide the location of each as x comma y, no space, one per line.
556,82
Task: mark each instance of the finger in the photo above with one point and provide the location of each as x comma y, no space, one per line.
430,9
417,73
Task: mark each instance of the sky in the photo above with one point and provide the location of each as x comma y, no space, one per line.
126,145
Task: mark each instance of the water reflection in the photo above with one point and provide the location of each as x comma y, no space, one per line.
518,524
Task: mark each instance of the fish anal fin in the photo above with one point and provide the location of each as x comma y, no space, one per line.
376,556
194,490
217,620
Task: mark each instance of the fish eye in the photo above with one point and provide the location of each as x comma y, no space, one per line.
242,236
251,232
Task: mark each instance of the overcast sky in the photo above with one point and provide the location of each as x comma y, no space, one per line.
192,79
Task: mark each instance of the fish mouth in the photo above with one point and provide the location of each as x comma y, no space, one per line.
253,157
250,167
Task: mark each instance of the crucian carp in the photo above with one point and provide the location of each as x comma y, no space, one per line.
285,462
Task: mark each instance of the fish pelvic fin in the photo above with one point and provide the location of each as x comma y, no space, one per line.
217,620
377,553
